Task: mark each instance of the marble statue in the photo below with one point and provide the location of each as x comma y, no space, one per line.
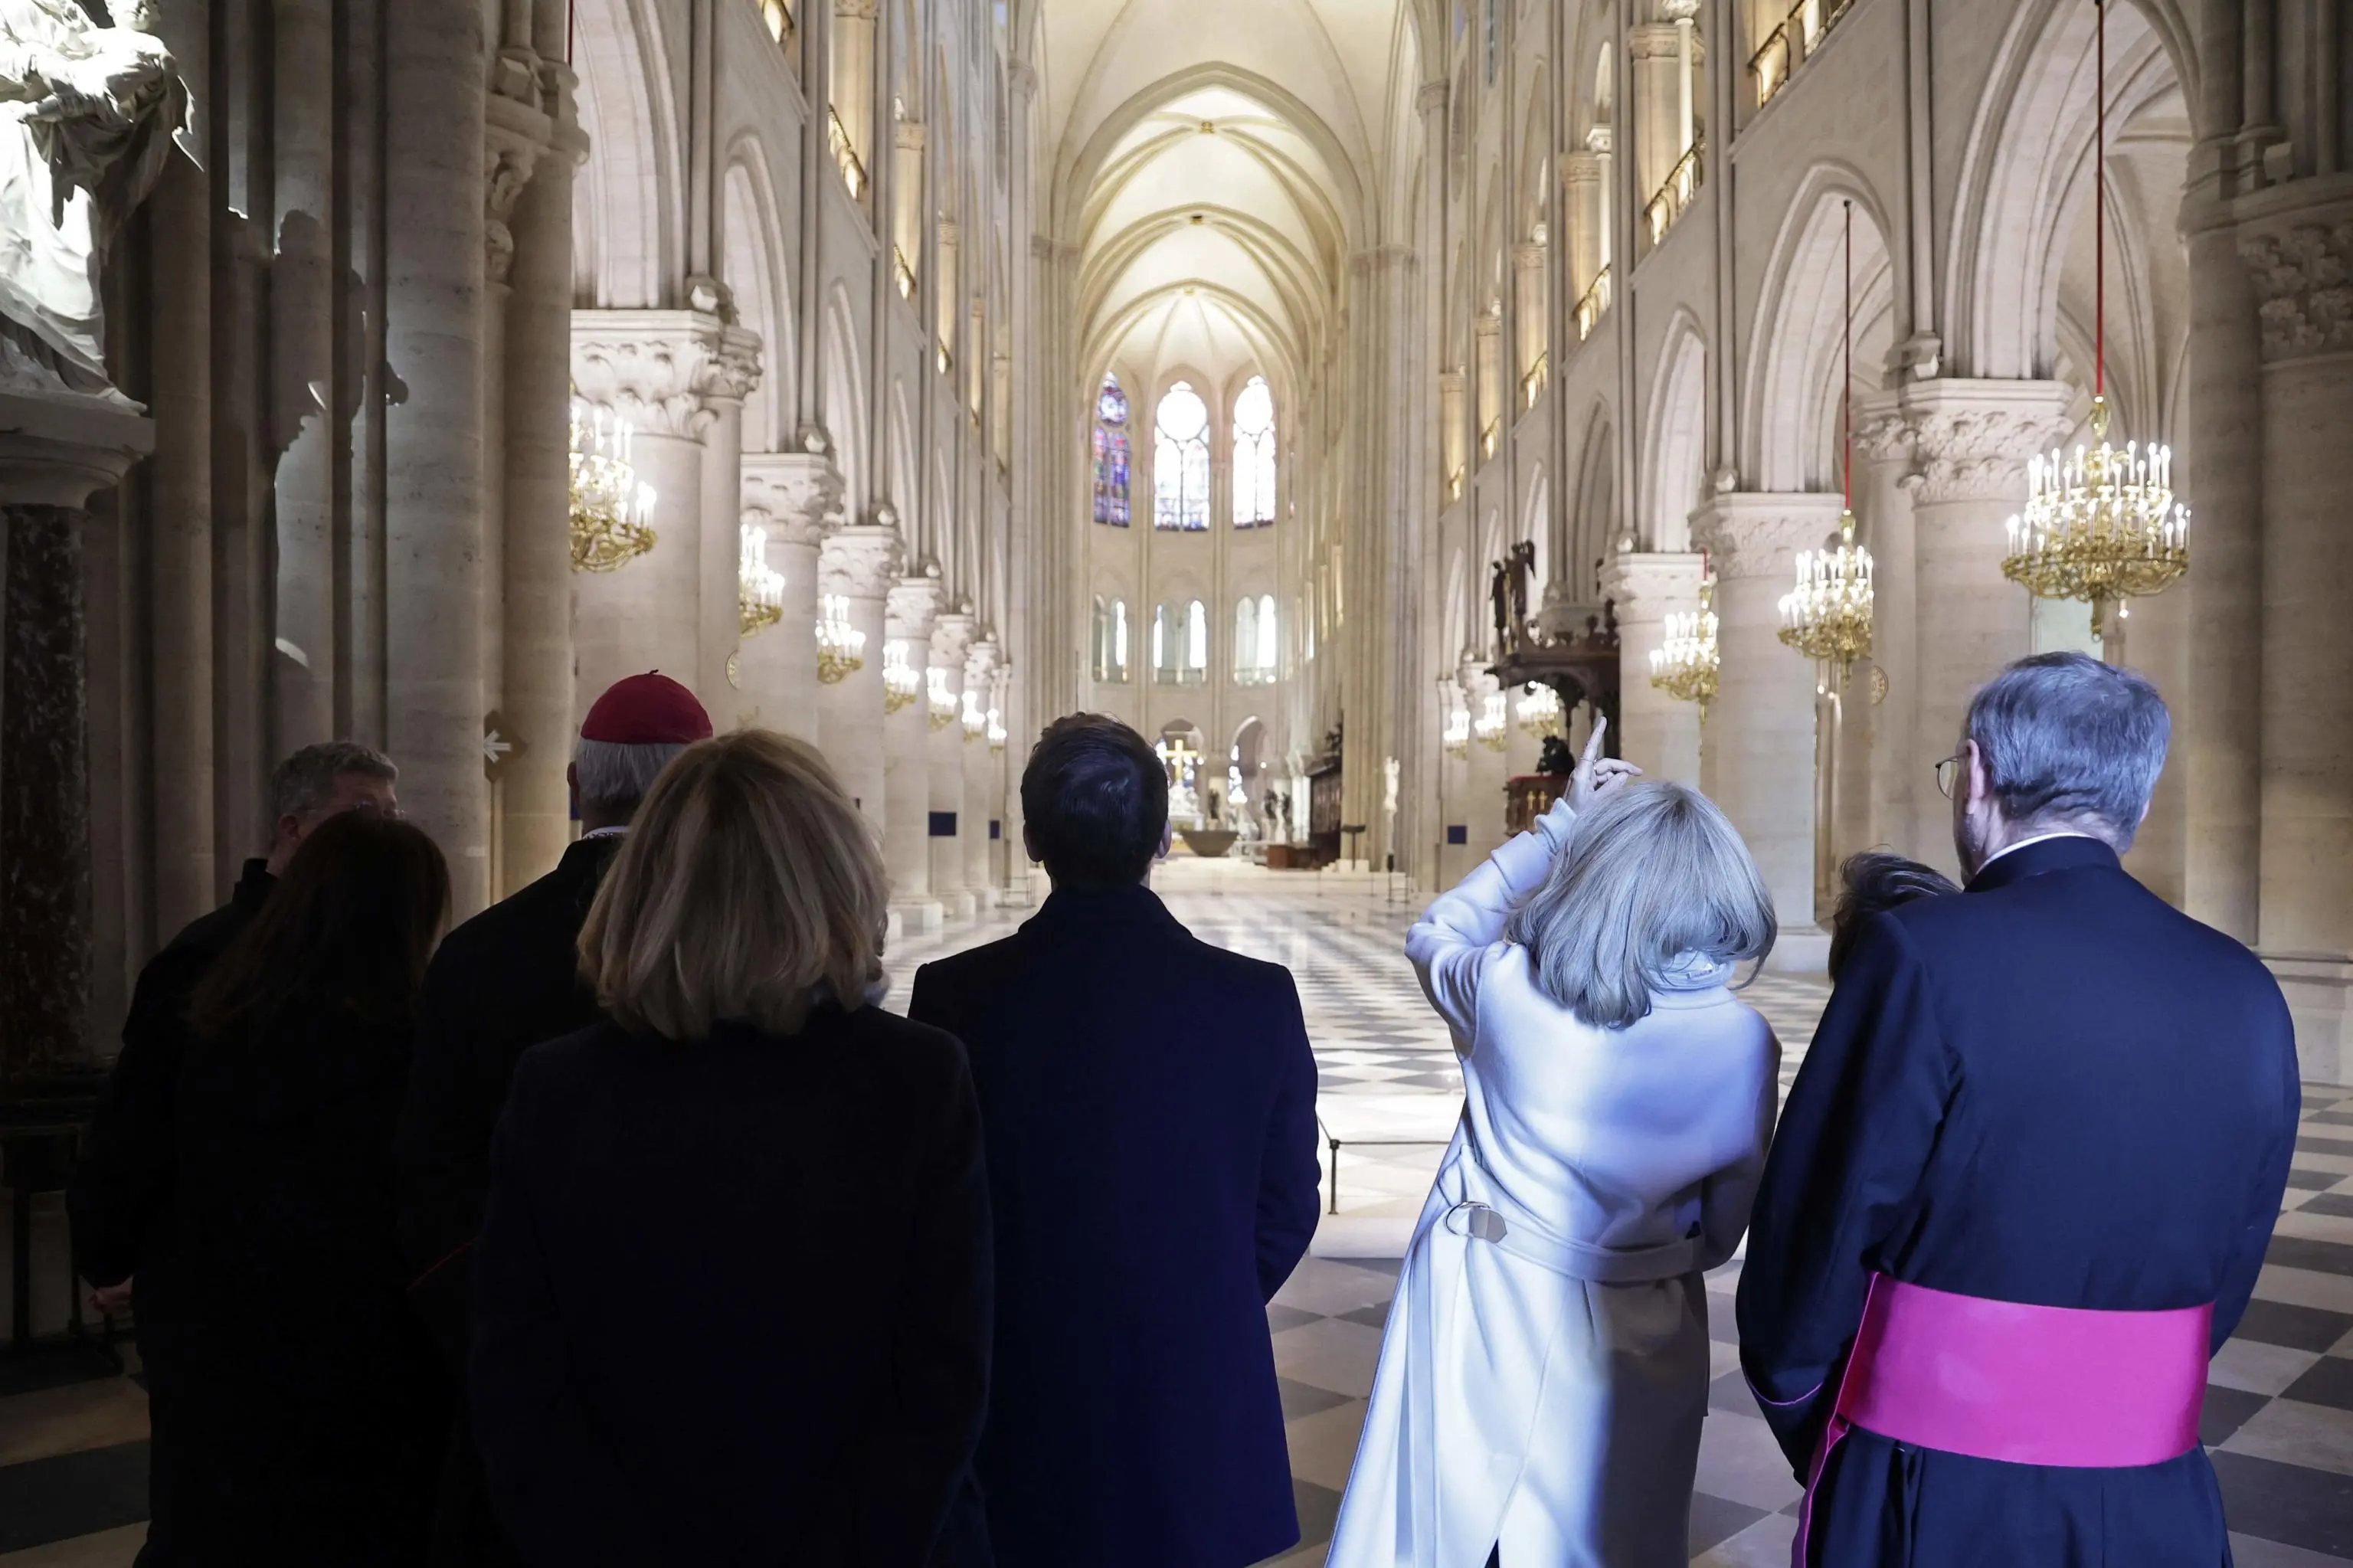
88,115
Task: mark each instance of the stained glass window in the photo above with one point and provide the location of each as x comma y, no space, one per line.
1254,455
1110,454
1180,461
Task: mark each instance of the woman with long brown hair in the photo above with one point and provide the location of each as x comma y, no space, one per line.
300,1422
750,1146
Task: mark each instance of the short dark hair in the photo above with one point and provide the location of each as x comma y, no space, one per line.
1095,801
1871,883
301,785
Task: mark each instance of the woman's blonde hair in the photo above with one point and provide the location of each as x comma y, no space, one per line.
747,880
1654,876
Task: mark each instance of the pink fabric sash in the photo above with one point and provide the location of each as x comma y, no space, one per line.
2026,1385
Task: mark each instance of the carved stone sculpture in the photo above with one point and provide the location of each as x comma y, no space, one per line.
87,118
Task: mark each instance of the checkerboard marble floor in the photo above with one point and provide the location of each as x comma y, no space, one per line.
2279,1402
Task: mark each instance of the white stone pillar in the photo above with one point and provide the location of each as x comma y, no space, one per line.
1970,442
1529,285
980,802
1657,733
797,498
656,369
951,638
911,609
907,190
535,699
1453,426
2299,260
1601,141
1482,803
433,439
948,239
1487,336
1759,764
860,563
1657,50
733,374
853,75
1580,177
1904,813
302,366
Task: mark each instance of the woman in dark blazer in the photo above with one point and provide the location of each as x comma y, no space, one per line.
731,1299
306,1417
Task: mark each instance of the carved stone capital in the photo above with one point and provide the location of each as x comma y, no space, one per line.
1430,98
980,665
662,370
797,496
1645,586
912,606
862,561
2303,275
1654,40
510,153
952,635
1601,139
1967,439
1580,169
949,233
1757,534
908,135
1022,78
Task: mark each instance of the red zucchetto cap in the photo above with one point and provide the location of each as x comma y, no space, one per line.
650,709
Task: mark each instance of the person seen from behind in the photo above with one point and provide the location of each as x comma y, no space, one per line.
744,1133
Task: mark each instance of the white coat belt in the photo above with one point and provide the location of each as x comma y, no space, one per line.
1514,1234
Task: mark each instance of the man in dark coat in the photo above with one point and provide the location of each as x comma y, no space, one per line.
1148,1104
500,983
120,1185
2049,1091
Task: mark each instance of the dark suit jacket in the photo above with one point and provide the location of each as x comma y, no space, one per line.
1149,1103
731,1302
2052,1090
119,1191
500,983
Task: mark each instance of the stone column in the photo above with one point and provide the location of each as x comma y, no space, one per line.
853,72
860,563
912,607
180,555
1970,440
981,800
1529,261
2299,258
948,239
797,498
536,697
1601,142
1453,424
1657,733
1580,177
952,636
657,370
907,200
1759,759
301,367
433,439
1487,335
1483,798
733,371
1652,105
1902,809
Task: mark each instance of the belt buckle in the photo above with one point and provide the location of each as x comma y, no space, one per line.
1486,1225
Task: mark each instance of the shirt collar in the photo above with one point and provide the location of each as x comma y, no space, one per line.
2007,849
605,833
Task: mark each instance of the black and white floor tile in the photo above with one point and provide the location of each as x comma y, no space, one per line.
2279,1405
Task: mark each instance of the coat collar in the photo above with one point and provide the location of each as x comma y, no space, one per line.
1067,910
252,889
2069,853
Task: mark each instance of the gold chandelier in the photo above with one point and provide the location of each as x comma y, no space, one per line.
840,646
1685,662
2103,525
975,721
901,681
1492,724
759,586
1540,712
1456,737
1827,617
997,736
944,703
609,507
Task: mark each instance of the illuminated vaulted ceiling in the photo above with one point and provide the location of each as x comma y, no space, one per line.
1214,162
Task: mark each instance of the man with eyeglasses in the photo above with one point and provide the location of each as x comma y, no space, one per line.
2023,1185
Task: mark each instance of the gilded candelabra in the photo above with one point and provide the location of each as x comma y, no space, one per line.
1540,711
1685,663
840,646
1493,723
759,586
2100,526
944,703
609,507
975,721
1827,617
901,681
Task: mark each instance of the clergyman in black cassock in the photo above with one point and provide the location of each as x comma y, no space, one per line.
500,983
2051,1089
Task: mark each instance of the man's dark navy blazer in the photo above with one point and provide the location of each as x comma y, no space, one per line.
1148,1104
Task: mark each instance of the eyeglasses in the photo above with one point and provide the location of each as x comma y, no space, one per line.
1946,771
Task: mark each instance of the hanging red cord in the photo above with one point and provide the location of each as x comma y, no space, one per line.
2100,205
1846,396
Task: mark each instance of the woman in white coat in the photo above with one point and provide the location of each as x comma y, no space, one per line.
1546,1368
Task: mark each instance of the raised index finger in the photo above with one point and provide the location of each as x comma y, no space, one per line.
1593,745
